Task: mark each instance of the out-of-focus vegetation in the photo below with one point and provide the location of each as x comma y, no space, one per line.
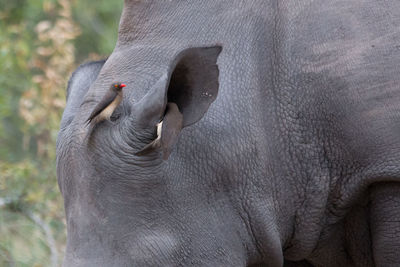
41,42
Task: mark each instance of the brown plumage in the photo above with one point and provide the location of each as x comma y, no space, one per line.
105,108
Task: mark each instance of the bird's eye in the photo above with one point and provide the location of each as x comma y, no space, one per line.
116,85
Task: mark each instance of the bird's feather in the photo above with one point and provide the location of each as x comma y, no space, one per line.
105,101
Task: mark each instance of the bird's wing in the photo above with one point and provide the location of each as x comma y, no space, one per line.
105,101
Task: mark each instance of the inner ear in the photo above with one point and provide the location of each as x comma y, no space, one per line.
194,82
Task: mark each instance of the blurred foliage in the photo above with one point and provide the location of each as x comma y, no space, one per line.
41,42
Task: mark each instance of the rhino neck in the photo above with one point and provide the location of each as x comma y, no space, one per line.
155,221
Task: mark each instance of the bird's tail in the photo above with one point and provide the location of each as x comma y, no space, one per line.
88,121
90,128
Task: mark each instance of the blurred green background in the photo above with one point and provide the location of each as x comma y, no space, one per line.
41,43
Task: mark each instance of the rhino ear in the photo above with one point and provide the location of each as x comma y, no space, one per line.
192,87
191,83
194,82
78,85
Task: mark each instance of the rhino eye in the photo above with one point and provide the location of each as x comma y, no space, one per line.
115,116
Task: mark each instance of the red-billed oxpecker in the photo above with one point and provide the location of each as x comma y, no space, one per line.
108,104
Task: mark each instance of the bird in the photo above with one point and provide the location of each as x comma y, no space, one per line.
110,101
167,132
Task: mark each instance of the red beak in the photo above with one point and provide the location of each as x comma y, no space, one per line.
122,85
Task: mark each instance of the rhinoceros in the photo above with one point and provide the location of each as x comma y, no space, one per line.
289,150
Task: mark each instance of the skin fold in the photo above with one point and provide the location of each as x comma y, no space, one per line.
289,149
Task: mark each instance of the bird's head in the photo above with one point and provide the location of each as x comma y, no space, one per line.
118,86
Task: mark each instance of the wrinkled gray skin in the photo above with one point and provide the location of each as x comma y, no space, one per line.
295,163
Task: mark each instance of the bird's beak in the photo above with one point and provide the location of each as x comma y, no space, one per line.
122,85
